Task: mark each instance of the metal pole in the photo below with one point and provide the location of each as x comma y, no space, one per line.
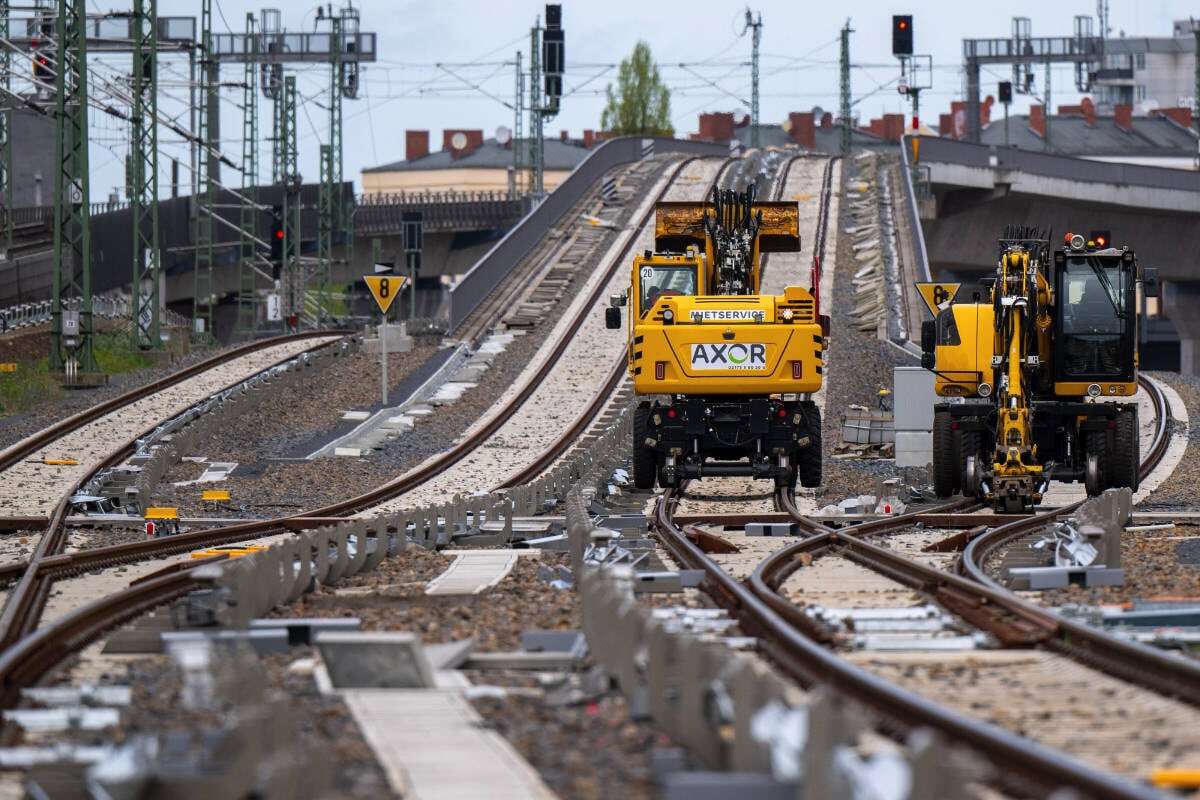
1006,124
293,278
383,356
6,154
1046,115
537,151
143,163
518,143
71,347
202,275
844,62
247,310
1196,92
755,36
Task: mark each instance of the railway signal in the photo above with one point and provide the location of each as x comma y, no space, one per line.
384,288
902,35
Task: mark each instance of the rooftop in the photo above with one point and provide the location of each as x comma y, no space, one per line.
491,154
1153,135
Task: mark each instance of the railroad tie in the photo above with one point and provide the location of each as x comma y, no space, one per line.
476,571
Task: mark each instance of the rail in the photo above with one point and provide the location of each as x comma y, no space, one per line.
26,600
1024,766
487,273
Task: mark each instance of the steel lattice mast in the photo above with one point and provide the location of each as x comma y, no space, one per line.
6,163
330,214
293,278
202,287
247,316
71,348
844,63
143,175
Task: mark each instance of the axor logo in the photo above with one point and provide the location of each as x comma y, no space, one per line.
729,356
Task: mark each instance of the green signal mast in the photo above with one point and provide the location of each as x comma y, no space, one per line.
71,322
143,174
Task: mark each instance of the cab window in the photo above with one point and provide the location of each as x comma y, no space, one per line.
1093,316
664,281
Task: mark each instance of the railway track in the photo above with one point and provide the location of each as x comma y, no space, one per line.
26,601
800,644
33,653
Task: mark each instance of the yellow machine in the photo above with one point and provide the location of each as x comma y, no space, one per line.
1026,370
732,370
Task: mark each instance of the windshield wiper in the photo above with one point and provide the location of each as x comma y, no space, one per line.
1109,292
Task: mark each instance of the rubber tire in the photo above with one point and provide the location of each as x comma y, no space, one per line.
947,465
809,459
645,460
1123,468
1096,443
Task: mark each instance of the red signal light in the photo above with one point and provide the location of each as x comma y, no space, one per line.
279,234
903,25
782,413
672,413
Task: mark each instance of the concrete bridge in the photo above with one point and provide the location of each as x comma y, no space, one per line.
968,192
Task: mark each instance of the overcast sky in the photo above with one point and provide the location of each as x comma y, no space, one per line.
405,88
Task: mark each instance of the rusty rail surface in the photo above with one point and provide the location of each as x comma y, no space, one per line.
37,574
27,599
795,646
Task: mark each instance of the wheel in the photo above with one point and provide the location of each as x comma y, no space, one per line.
968,443
1122,469
645,460
946,461
1096,444
808,459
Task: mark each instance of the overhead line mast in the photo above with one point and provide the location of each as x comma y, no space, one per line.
71,322
143,176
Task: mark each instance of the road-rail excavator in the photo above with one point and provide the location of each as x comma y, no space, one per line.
1026,372
727,373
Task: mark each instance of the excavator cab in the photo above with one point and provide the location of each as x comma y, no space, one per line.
1095,324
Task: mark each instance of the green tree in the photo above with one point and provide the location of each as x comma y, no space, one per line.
640,104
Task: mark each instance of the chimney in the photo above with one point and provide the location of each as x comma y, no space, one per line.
801,129
1181,116
1123,117
827,120
893,127
416,145
1037,120
472,139
564,136
985,111
946,125
1088,109
876,127
589,137
716,127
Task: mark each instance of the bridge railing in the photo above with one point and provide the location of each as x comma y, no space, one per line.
497,263
377,214
912,214
969,154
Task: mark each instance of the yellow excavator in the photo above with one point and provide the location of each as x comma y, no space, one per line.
1027,365
727,373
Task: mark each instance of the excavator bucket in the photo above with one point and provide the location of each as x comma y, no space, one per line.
679,224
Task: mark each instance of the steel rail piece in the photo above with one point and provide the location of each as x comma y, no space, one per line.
23,608
1161,672
50,563
584,421
1021,765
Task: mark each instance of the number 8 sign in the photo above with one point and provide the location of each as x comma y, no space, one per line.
385,288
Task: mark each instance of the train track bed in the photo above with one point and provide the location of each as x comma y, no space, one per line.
35,485
1179,490
583,369
857,365
53,403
